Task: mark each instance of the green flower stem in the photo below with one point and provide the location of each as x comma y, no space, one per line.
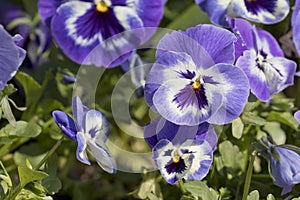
248,176
52,150
183,190
18,189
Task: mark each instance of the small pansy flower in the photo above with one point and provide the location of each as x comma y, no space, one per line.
11,56
297,116
296,25
181,152
193,79
259,55
285,170
100,32
90,129
261,11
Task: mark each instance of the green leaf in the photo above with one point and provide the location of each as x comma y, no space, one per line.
237,128
270,197
33,90
277,134
252,119
200,189
254,195
27,174
186,197
149,189
251,106
52,183
231,156
23,129
285,118
7,111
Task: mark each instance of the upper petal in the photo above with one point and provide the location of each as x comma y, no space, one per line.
206,44
216,10
78,112
296,25
47,9
65,123
96,125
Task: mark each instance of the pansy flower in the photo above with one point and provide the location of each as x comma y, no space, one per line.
285,169
261,58
296,25
90,129
297,116
261,11
181,152
193,79
11,56
100,32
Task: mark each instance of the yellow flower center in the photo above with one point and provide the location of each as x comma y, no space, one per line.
176,158
101,7
196,86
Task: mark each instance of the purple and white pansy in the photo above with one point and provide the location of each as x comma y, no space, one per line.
194,79
259,55
90,129
11,56
100,32
181,152
260,11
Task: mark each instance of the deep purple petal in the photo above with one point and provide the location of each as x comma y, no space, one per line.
11,57
47,9
297,116
245,36
103,157
65,123
96,125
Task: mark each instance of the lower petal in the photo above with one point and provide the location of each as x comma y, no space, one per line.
81,149
103,157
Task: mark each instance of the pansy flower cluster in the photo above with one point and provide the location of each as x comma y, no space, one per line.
217,93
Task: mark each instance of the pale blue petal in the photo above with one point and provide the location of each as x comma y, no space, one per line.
96,125
103,157
297,116
81,148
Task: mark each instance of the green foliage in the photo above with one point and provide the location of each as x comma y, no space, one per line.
231,156
201,190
